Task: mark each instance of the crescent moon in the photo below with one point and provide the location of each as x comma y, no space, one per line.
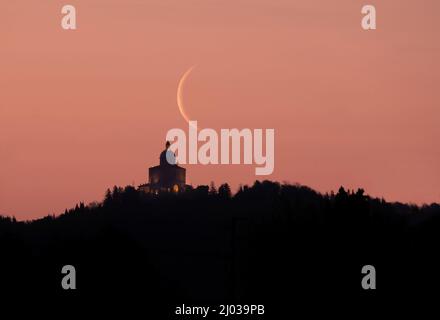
180,94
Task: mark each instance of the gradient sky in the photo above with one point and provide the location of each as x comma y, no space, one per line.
81,111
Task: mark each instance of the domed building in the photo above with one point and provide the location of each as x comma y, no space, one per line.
167,176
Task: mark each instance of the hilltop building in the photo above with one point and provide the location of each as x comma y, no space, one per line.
167,176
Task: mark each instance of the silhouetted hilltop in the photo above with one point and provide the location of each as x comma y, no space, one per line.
206,245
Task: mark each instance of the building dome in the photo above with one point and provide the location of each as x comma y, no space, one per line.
167,157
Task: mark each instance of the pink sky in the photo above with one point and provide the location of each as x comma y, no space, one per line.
81,111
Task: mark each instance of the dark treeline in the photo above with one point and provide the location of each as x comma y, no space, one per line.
269,243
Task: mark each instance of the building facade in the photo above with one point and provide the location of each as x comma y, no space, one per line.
167,176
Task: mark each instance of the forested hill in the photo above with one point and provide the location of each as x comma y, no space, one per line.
206,245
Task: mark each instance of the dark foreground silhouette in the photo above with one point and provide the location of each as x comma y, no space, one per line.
284,246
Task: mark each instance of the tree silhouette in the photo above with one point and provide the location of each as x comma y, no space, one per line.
224,191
